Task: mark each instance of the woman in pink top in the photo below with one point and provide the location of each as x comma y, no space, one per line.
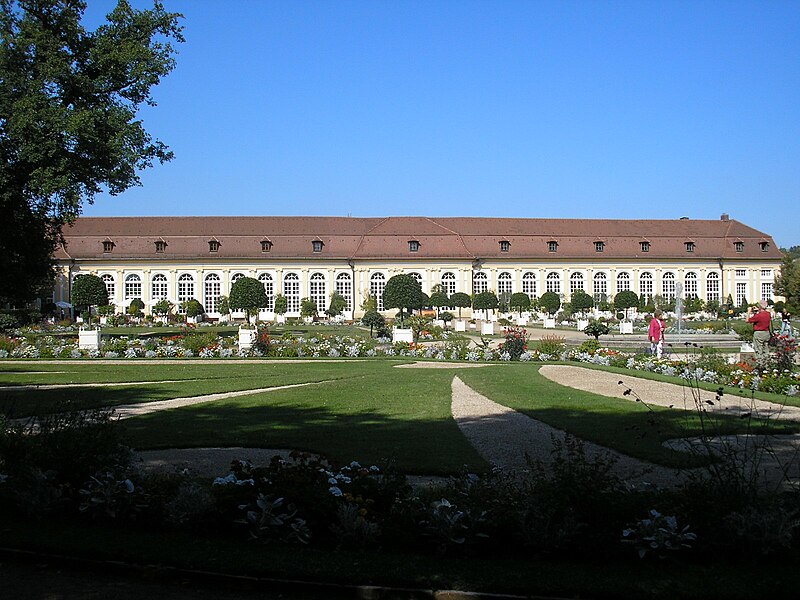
656,334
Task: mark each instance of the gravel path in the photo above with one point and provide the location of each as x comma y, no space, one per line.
504,437
660,393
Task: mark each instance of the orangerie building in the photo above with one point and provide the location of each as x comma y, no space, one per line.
180,258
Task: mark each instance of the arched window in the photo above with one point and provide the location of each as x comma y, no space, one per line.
133,287
575,283
668,285
185,290
646,285
600,287
623,282
553,282
480,282
158,287
417,276
529,284
690,285
449,283
377,283
110,286
269,290
291,290
712,287
505,284
344,287
236,277
317,291
211,292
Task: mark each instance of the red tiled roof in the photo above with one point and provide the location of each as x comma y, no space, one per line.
388,238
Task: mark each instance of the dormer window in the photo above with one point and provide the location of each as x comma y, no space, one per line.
690,246
161,246
645,246
413,246
266,245
213,245
316,246
108,245
599,246
552,246
764,246
505,246
738,246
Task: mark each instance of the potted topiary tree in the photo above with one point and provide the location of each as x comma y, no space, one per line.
581,302
374,320
136,308
224,308
88,291
623,301
521,302
308,309
486,301
337,306
248,294
460,300
550,302
194,310
281,306
162,309
403,292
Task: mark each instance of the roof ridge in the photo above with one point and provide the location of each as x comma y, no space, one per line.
365,234
456,233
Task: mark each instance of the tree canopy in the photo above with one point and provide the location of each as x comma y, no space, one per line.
403,292
520,301
247,294
89,290
69,100
581,301
485,301
460,300
337,305
787,283
550,302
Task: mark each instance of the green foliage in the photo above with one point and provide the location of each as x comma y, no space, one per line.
404,292
692,305
596,329
550,302
69,123
89,290
589,346
374,320
626,299
7,321
223,305
446,316
308,307
106,310
581,301
460,300
248,294
193,308
787,282
197,341
370,303
337,305
136,307
553,345
485,301
281,304
520,301
439,299
162,307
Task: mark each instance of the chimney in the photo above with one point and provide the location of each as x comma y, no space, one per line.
724,217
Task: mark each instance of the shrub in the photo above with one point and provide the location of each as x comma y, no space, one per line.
596,329
589,346
516,342
552,345
550,302
7,321
196,342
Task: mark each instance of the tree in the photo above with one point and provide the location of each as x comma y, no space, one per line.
520,301
403,292
162,308
223,306
337,306
193,308
308,307
596,329
281,304
373,319
485,301
581,301
248,294
88,291
787,283
136,307
69,100
438,300
460,300
550,302
626,299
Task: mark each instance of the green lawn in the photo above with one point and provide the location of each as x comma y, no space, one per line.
362,410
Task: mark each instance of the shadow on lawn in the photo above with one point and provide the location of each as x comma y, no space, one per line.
420,446
27,403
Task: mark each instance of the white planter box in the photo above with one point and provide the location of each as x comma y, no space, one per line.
461,325
472,326
280,318
308,319
550,323
438,322
196,319
89,339
487,328
103,320
746,347
402,335
521,321
583,324
626,327
247,338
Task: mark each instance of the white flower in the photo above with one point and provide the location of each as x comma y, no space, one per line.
335,491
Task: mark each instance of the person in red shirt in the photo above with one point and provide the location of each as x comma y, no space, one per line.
761,318
656,334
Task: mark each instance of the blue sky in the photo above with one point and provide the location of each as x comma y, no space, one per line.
498,108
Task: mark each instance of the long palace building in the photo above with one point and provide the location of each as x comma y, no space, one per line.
180,258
